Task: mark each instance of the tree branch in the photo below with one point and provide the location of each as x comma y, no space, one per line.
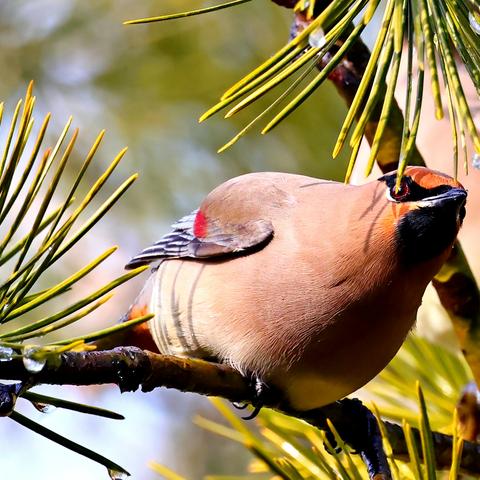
131,368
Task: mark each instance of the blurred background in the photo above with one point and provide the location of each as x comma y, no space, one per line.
147,85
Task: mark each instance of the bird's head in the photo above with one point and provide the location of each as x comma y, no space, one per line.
428,210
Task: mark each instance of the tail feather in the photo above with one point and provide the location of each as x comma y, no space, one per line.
138,335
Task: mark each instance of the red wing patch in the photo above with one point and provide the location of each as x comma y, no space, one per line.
200,225
194,236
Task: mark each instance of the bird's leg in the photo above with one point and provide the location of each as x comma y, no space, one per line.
365,438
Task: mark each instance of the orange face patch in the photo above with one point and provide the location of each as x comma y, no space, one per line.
394,212
427,178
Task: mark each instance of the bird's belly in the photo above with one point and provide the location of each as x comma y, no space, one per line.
306,391
270,326
348,359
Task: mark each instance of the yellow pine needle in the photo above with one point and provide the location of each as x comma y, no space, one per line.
62,285
164,471
312,86
299,40
308,55
432,63
270,107
379,51
412,449
257,81
105,332
457,447
426,436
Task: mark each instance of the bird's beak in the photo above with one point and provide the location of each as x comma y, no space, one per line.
456,197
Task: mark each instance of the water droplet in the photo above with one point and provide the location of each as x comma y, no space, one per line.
476,160
31,361
474,19
44,407
6,354
116,475
317,38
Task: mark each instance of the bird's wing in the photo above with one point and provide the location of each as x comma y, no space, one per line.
199,235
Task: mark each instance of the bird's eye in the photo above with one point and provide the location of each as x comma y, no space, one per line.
401,194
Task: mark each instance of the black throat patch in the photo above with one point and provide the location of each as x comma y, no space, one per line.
425,233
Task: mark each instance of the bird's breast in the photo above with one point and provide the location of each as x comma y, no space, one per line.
357,344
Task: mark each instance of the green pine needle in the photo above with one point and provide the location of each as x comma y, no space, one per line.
65,442
39,399
190,13
36,236
438,31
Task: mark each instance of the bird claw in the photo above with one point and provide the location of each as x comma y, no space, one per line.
256,411
330,444
260,392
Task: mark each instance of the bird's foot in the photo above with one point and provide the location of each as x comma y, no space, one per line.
330,444
260,391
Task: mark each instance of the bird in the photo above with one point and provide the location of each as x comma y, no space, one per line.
307,285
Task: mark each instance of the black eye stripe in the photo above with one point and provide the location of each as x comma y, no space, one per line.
436,190
416,192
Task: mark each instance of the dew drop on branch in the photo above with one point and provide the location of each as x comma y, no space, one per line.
474,19
31,362
44,407
476,160
317,38
6,354
116,475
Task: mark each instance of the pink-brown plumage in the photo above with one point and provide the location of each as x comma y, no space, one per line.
305,285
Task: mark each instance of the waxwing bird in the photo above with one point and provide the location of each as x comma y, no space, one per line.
308,284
